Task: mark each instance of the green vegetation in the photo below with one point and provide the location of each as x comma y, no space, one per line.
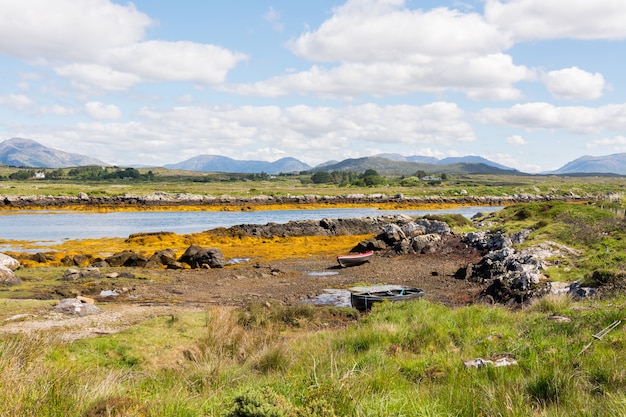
115,181
402,359
298,360
597,233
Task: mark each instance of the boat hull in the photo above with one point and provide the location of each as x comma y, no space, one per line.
354,260
363,301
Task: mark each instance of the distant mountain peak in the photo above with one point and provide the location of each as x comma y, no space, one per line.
29,153
587,164
217,163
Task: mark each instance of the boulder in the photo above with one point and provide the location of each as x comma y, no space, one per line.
199,257
127,258
118,259
76,274
421,244
392,234
76,307
165,257
8,277
9,262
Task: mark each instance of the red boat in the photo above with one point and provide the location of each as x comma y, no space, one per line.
354,259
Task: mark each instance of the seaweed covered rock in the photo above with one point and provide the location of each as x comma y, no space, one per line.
199,257
165,257
127,258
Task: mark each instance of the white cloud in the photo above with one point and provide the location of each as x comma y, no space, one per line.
574,83
575,119
66,30
100,111
171,61
97,43
381,48
15,101
558,19
618,143
393,33
480,77
516,140
273,17
98,77
514,161
312,134
58,110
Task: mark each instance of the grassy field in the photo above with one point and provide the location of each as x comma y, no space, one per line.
186,182
402,359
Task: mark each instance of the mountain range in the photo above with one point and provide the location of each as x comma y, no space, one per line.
21,152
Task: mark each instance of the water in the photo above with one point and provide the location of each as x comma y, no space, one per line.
51,227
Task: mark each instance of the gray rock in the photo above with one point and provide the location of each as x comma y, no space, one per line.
165,257
8,277
392,233
420,244
9,262
76,274
75,307
198,257
433,226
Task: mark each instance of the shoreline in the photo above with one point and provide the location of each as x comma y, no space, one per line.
160,201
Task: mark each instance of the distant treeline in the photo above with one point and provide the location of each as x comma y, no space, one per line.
369,178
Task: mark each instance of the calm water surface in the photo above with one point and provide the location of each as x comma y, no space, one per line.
55,226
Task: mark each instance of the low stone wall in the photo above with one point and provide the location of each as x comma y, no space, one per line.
162,199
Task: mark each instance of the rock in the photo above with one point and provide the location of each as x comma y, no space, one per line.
420,244
434,226
127,258
464,272
8,277
76,274
198,257
75,260
9,262
75,307
86,300
481,363
118,259
392,233
520,236
165,257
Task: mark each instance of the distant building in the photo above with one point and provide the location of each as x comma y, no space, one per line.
39,175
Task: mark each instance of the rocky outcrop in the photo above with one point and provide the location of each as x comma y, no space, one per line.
404,235
199,257
512,276
323,227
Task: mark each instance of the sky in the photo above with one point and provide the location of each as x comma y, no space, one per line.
530,84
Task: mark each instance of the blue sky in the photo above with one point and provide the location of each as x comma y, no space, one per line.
530,84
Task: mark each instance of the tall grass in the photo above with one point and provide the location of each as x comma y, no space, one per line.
400,359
